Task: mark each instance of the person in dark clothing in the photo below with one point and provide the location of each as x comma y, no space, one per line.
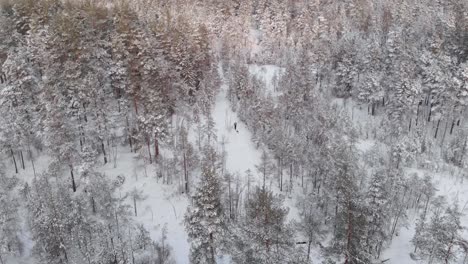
235,126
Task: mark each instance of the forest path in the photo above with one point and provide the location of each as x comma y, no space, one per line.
241,151
241,154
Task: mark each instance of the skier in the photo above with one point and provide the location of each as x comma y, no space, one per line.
235,126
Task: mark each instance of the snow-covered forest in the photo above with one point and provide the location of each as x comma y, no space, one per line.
233,132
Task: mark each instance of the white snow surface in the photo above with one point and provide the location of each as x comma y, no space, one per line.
162,206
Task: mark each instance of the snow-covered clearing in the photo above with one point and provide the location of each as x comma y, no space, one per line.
241,153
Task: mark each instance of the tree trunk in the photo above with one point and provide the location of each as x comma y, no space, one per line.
417,114
445,132
149,150
135,205
348,236
80,130
104,152
452,126
93,204
290,177
212,249
135,104
279,173
186,175
379,249
32,160
315,179
230,197
64,251
281,176
430,113
84,115
425,207
72,179
308,251
463,152
129,134
14,160
302,178
416,203
325,215
156,146
22,159
437,129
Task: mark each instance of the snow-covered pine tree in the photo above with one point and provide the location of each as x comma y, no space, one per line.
10,244
263,236
378,213
311,223
92,225
350,223
204,220
438,239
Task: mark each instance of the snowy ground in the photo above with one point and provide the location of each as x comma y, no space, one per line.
241,153
162,206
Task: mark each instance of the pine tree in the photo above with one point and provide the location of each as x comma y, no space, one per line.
350,223
263,236
421,239
90,226
204,218
10,244
437,239
377,219
311,222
